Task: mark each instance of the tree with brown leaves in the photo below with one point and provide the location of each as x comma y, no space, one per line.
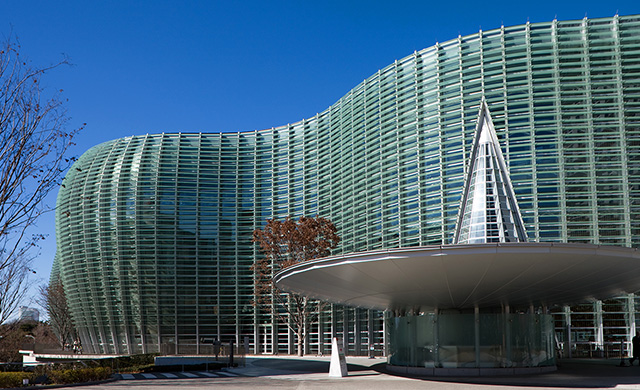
285,243
33,145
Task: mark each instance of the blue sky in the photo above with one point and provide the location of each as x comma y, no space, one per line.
208,66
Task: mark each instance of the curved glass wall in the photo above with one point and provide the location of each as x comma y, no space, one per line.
154,231
472,340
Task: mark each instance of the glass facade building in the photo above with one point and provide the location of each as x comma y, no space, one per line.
154,231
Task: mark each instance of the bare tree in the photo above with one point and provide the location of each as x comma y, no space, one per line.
13,283
33,144
54,300
284,244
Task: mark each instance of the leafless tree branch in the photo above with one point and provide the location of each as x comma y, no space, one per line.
33,144
54,300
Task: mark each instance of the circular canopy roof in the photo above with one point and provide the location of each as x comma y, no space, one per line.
465,276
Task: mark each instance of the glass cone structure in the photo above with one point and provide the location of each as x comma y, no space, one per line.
489,211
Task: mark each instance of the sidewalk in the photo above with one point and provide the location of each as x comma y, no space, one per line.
571,373
289,372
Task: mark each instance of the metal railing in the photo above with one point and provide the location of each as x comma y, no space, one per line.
591,349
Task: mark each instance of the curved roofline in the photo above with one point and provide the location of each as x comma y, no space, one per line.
433,47
470,275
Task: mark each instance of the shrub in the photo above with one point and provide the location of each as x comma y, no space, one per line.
14,379
137,368
142,359
131,363
79,375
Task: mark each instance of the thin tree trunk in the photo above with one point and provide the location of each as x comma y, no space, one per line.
300,341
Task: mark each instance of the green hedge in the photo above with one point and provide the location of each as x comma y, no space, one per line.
67,373
136,368
79,375
131,363
60,377
14,379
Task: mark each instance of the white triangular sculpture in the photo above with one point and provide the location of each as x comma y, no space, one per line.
488,210
338,367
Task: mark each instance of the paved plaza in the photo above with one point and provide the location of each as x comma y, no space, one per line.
369,374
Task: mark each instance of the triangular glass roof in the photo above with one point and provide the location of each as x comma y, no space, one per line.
488,211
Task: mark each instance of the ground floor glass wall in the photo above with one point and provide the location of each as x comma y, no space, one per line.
361,330
471,340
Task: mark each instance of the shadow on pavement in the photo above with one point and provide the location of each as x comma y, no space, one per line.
575,373
303,366
571,373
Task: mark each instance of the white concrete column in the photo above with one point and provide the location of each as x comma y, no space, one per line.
631,319
567,332
385,317
599,327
